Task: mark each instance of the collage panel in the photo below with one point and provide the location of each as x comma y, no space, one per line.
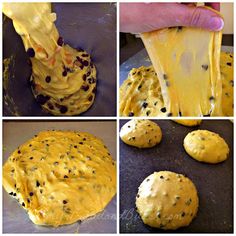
59,59
178,63
179,176
62,173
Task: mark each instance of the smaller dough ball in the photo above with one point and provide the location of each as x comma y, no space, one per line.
167,200
188,122
141,133
206,146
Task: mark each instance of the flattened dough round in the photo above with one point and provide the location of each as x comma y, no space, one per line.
189,122
61,177
167,200
141,133
206,146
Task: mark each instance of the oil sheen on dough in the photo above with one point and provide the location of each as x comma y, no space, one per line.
141,94
63,79
60,177
187,63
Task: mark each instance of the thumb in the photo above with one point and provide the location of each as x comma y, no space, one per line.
203,18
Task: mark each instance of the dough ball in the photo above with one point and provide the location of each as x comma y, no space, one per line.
206,146
189,122
167,200
141,133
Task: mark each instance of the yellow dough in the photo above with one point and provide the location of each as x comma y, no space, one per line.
141,95
60,177
188,122
63,79
206,146
167,200
187,63
227,75
141,133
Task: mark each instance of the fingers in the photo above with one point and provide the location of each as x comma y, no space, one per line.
141,17
203,18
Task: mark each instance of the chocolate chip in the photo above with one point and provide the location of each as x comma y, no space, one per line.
91,80
145,104
66,177
41,99
23,204
63,109
37,183
139,87
48,79
167,83
31,158
205,67
85,87
31,194
180,114
131,114
94,90
81,143
232,83
30,52
60,41
90,98
163,109
229,63
148,113
84,77
179,28
14,194
19,152
169,114
84,55
64,73
64,201
211,98
165,77
50,106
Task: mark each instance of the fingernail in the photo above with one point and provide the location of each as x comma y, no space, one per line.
216,23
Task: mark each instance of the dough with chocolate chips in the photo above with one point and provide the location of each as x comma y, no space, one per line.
63,79
141,95
206,146
188,122
141,133
167,200
60,177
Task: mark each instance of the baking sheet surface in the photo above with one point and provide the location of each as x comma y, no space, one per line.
15,219
90,26
214,182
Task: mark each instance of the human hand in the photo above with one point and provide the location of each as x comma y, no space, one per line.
145,17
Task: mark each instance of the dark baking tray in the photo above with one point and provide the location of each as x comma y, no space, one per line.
91,26
214,182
